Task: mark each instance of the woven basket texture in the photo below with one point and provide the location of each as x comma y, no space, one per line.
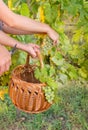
26,91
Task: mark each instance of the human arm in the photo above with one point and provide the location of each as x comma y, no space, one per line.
9,30
5,59
9,41
23,23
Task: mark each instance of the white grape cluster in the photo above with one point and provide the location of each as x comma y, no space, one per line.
47,45
49,94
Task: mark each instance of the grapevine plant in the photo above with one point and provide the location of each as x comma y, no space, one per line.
47,74
69,59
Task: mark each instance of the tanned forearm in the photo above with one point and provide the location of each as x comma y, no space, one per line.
30,48
25,24
21,22
10,30
14,31
9,41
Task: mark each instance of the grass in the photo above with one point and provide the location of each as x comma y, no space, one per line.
71,112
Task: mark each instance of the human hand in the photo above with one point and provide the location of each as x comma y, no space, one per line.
5,60
53,35
32,49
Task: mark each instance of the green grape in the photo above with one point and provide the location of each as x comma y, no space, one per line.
49,94
47,45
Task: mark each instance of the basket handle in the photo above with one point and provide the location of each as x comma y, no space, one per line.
39,57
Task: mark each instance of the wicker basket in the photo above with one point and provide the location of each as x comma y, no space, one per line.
25,91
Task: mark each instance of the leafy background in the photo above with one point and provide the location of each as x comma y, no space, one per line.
68,61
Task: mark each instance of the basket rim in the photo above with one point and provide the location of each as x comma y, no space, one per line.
17,78
26,81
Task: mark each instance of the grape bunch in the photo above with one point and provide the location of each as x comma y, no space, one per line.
49,94
46,45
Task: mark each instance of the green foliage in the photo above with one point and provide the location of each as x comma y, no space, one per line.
66,61
45,75
69,59
73,50
24,9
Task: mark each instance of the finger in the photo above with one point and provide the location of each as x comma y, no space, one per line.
55,42
34,45
1,73
8,65
32,53
5,66
2,69
8,62
36,50
37,46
